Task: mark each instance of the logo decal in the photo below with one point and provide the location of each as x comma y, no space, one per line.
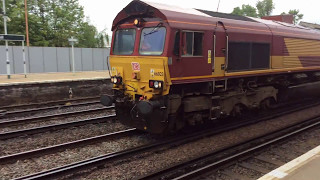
135,66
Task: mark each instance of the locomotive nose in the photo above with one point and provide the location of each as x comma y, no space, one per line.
106,100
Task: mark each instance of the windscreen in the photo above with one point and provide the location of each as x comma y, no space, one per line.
124,42
152,41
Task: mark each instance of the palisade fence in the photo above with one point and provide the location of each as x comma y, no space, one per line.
54,59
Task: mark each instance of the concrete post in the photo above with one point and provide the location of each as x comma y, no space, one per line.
72,56
24,60
5,32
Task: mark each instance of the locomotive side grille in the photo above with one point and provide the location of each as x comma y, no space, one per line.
248,56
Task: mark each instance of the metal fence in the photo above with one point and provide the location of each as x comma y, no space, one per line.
54,59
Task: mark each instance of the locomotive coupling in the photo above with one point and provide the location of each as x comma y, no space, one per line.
107,100
146,107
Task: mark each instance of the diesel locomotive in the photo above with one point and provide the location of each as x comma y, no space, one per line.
173,67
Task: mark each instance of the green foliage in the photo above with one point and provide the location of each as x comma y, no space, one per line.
246,10
103,39
296,16
51,23
87,35
265,7
108,40
16,18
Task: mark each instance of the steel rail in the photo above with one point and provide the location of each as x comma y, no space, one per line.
103,159
4,124
260,142
12,134
33,110
23,106
69,145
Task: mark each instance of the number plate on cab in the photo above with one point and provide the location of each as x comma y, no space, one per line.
157,74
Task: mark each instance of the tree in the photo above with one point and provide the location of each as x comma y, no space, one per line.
108,39
103,39
16,23
51,22
265,7
296,16
246,10
87,36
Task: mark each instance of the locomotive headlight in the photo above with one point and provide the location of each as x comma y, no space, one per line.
136,22
156,84
115,80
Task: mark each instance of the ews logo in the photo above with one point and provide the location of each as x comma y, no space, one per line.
135,66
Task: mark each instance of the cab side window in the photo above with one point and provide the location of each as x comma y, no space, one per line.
192,43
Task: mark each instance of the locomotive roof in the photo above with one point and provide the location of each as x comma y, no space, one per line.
225,15
173,13
204,20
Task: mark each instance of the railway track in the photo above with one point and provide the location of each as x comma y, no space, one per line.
42,106
69,145
25,120
12,134
210,164
7,114
162,144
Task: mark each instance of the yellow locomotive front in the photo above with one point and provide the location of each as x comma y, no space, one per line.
139,72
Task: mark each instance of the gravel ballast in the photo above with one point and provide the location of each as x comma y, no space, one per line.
56,120
20,144
29,166
62,109
149,162
282,152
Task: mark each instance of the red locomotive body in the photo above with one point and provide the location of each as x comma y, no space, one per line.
210,64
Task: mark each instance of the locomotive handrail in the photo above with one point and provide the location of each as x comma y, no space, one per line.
214,52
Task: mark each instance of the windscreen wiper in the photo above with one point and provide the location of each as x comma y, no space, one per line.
155,29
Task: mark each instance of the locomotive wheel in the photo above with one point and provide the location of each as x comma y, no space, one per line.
180,122
238,110
267,103
175,123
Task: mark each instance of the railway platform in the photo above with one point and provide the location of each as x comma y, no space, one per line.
43,87
305,167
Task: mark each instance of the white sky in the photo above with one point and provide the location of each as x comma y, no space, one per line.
102,12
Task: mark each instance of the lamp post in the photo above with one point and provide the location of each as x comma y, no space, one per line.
72,41
26,17
5,18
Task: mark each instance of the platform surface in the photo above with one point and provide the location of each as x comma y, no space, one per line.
52,77
305,167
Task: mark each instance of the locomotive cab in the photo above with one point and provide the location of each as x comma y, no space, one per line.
139,68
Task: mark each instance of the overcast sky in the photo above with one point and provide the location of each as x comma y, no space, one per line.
102,12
